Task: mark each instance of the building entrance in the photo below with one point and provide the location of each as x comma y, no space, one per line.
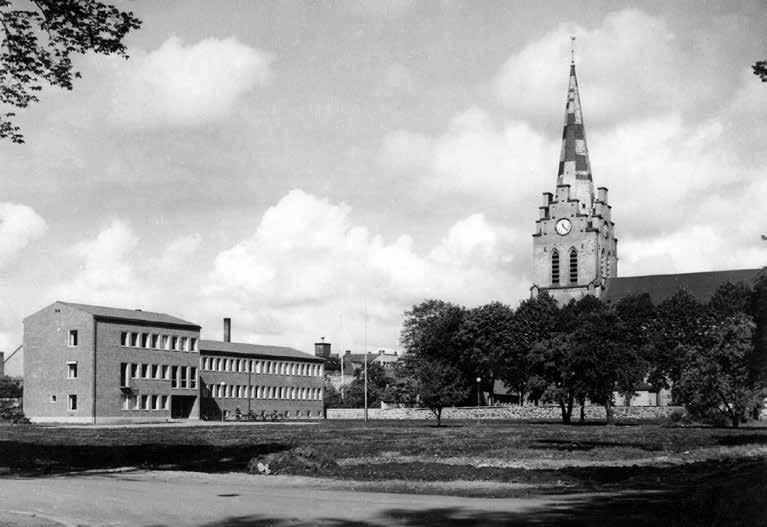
181,406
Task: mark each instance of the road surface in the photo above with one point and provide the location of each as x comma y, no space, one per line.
154,498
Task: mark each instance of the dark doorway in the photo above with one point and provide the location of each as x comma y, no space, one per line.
181,406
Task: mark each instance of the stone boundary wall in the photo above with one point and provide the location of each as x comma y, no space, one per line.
519,413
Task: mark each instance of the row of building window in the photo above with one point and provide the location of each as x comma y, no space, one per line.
145,402
154,341
179,376
261,366
233,391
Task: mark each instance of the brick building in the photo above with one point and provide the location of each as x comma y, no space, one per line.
90,364
260,378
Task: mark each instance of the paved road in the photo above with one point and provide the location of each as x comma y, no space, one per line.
147,498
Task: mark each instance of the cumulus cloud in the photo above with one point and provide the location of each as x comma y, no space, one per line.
629,65
107,273
307,264
179,252
19,226
187,85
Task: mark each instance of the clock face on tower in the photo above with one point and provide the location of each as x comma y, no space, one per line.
563,226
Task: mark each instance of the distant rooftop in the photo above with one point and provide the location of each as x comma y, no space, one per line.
131,314
662,286
241,348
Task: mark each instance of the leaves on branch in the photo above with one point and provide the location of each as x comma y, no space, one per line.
38,44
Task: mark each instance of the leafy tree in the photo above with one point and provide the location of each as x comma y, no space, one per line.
402,390
11,387
534,320
554,370
760,69
485,339
716,378
38,43
636,314
354,393
435,384
729,299
331,397
681,320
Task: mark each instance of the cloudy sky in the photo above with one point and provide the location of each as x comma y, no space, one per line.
295,164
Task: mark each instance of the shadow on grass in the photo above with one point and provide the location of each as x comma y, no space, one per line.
572,445
29,459
734,440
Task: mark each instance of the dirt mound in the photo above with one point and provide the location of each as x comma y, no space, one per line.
300,460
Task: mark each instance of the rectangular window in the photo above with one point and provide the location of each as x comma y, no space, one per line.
145,371
72,342
134,339
155,341
204,364
155,371
155,402
214,391
164,402
123,338
53,398
145,402
71,370
183,376
174,377
230,391
184,343
71,403
145,340
125,402
193,344
124,374
165,342
193,377
136,402
165,372
134,371
174,343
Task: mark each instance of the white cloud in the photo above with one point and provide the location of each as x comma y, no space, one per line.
383,8
306,265
179,252
107,275
19,226
629,65
187,85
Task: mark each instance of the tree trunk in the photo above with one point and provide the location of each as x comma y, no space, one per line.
565,413
609,413
438,413
583,411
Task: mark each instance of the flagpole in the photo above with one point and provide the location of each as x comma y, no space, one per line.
365,351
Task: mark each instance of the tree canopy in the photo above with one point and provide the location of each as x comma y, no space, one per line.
38,44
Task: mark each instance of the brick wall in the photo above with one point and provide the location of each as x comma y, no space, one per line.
521,413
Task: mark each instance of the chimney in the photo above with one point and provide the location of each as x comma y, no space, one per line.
602,195
227,329
322,348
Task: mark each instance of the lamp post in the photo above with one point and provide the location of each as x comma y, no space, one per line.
478,381
221,389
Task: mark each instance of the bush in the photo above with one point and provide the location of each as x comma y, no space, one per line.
14,414
299,460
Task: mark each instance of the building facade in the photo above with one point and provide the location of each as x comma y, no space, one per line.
574,245
90,364
261,379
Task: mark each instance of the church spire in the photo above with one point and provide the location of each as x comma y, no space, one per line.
574,165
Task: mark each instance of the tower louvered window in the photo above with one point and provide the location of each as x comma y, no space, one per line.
573,266
607,265
555,267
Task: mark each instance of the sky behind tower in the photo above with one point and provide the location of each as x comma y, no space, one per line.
293,164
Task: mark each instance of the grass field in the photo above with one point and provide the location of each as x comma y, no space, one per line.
689,471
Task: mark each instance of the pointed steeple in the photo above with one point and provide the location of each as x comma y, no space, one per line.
574,165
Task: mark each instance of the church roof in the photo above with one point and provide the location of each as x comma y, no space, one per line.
662,286
574,164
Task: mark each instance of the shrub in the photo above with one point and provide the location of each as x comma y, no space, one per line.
299,460
14,414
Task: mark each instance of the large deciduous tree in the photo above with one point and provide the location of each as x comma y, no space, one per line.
39,38
716,378
435,384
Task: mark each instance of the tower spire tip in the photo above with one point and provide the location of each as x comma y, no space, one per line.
572,50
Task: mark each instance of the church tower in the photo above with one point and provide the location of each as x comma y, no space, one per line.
574,245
